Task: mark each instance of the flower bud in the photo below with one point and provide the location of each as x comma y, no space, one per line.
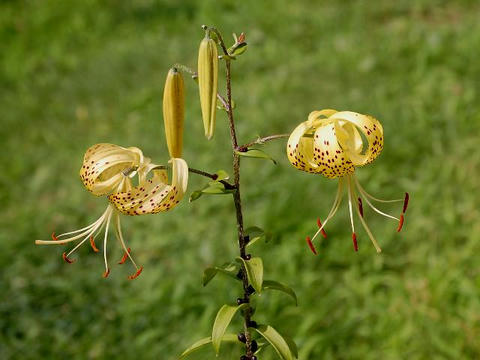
174,112
207,82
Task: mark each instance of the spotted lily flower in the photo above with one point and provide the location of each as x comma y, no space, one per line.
333,143
108,169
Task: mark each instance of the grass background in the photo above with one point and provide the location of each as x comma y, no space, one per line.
76,73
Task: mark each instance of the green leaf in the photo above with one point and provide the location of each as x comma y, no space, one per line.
256,153
256,234
292,345
223,319
237,49
254,268
275,285
195,195
222,175
229,269
276,340
205,341
212,188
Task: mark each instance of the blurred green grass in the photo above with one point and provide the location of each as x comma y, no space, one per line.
77,73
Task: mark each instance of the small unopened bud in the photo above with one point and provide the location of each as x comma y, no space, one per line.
208,82
174,112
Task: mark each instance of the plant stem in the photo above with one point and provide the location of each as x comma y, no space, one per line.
262,140
227,185
242,243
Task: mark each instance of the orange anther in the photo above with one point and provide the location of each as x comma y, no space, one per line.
124,258
67,259
310,245
92,244
354,239
400,223
106,273
319,223
54,237
134,276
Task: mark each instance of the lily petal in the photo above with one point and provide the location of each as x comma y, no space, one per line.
332,161
154,195
371,129
103,164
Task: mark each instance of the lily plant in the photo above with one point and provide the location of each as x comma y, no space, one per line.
331,143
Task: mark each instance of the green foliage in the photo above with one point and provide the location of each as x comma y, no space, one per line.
276,340
275,285
205,341
76,73
256,154
254,268
223,319
229,269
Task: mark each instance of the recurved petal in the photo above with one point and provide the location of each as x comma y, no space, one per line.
352,122
331,160
300,148
102,165
154,195
318,114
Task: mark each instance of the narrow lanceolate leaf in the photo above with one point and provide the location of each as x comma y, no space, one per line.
276,340
222,175
254,268
223,319
292,345
212,188
275,285
205,341
256,234
256,153
229,269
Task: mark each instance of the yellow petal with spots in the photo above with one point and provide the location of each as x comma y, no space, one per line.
154,195
103,164
351,122
300,148
330,158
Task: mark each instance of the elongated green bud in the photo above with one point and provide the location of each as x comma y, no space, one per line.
174,112
207,82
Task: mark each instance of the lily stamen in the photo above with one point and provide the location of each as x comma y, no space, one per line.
124,257
360,206
92,244
350,211
320,226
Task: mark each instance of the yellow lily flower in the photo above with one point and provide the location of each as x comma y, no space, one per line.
108,169
333,143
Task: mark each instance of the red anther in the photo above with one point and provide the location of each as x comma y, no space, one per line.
124,258
319,223
92,244
405,203
400,223
67,259
310,245
134,276
106,273
360,207
355,244
54,237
